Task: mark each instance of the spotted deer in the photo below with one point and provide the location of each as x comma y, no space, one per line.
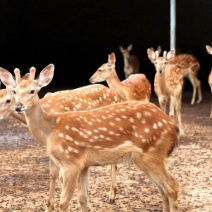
77,140
131,62
209,50
83,98
168,84
135,87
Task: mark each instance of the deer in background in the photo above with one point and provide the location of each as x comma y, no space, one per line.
209,50
77,140
131,62
83,98
168,84
135,87
190,67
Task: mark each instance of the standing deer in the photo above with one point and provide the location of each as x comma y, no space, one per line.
168,84
209,50
131,62
77,140
190,67
135,87
83,98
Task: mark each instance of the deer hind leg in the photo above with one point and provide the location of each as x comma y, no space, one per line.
178,111
69,176
54,171
83,188
113,185
156,171
196,84
199,90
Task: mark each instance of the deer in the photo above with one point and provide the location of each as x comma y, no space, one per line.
190,67
209,50
131,62
168,84
83,98
136,131
135,87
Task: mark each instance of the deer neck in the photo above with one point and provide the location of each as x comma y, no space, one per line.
40,123
160,79
126,62
114,82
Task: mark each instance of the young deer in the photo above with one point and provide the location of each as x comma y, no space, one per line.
83,98
135,87
168,84
77,140
209,50
131,62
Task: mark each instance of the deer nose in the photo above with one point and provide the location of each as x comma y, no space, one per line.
18,107
160,71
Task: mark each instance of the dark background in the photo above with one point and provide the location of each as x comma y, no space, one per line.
77,36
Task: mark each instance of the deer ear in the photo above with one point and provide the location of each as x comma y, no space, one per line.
112,59
45,76
209,49
170,54
129,48
7,78
121,48
151,54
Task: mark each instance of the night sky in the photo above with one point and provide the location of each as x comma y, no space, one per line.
77,36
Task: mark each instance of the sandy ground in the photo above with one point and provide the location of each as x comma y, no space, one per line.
24,171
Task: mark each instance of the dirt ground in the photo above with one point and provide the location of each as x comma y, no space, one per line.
24,171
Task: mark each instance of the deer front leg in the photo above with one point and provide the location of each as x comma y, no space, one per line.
163,102
113,185
83,189
69,176
54,170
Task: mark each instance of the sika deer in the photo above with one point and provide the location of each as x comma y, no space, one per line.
135,87
84,98
209,50
131,62
168,84
77,140
190,67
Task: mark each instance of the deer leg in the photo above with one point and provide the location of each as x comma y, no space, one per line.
69,176
194,85
163,102
199,91
156,171
178,109
113,185
83,189
172,108
54,170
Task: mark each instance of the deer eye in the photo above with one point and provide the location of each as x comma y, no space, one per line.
32,91
14,92
8,101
